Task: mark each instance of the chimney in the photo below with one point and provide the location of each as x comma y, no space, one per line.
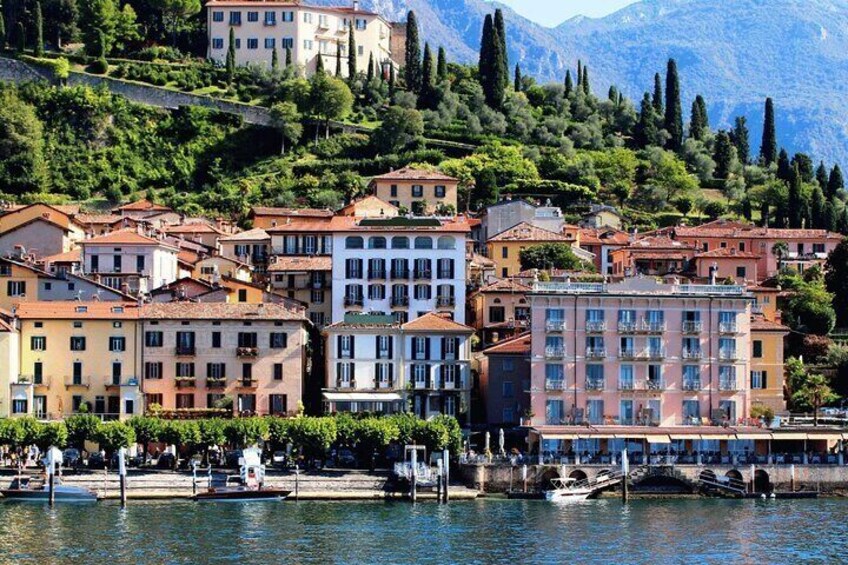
713,273
355,5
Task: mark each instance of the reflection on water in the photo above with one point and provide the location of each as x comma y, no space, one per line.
493,531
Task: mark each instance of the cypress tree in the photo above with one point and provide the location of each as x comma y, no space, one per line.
795,203
673,109
231,57
484,67
739,135
517,78
696,121
288,57
579,73
412,67
370,74
496,81
768,150
500,29
427,78
645,131
39,31
319,65
784,167
338,59
805,165
569,83
20,36
817,203
724,154
351,55
391,80
829,221
842,223
442,65
587,89
821,176
835,183
658,95
2,31
613,94
275,61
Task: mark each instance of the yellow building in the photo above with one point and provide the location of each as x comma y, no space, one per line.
76,353
37,230
307,280
18,283
767,374
766,304
418,190
500,310
505,248
212,269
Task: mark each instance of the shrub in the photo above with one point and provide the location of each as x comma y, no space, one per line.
99,67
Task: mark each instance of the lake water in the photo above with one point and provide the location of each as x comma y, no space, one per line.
485,531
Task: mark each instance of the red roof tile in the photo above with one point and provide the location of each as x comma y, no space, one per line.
220,311
67,310
283,264
123,237
143,205
505,285
528,232
437,323
292,212
409,173
518,345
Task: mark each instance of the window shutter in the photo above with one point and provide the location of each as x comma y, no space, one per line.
391,371
450,263
444,346
765,379
353,371
391,347
456,347
427,348
338,346
352,347
338,374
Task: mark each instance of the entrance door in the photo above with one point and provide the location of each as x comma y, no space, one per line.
40,406
114,406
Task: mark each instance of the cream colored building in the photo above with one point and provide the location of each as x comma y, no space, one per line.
418,191
308,32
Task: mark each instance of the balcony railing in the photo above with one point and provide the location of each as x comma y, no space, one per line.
386,384
216,382
400,301
247,351
692,327
727,355
626,385
727,328
655,384
41,380
654,353
554,352
554,384
445,275
627,353
627,327
376,275
185,350
691,384
353,301
77,381
445,301
423,274
117,381
652,327
186,382
247,383
451,384
596,353
594,384
400,274
728,385
421,385
555,325
596,327
691,354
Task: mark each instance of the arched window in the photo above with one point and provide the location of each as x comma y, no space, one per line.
400,242
377,242
446,242
354,242
497,301
423,242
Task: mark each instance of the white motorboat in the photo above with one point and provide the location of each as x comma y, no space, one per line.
24,490
567,490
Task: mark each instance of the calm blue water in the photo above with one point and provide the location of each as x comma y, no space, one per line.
493,531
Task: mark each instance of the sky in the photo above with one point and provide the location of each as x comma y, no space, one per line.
551,13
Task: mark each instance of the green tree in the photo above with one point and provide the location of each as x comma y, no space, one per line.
442,66
412,67
399,128
500,30
374,435
147,430
817,212
725,155
835,183
275,62
808,307
428,79
569,83
331,99
814,393
111,436
81,428
246,432
517,82
715,209
230,64
684,205
319,65
338,59
657,99
288,57
484,65
211,432
352,71
548,256
645,132
312,437
23,167
739,136
181,434
699,124
584,82
39,31
495,85
52,434
784,166
836,281
20,35
279,432
176,15
673,109
287,120
822,177
780,250
795,201
2,31
370,74
768,149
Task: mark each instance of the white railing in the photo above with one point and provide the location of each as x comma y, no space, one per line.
627,353
596,352
594,384
710,289
554,352
626,384
568,287
727,355
727,327
627,327
596,326
555,325
654,353
692,354
693,327
691,384
554,384
728,384
652,327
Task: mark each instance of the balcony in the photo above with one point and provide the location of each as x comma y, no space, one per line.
654,353
627,327
186,382
626,385
400,274
555,325
77,381
692,354
727,355
41,380
596,327
246,383
554,384
400,301
247,351
376,275
655,384
690,327
216,382
452,384
594,384
691,385
596,353
424,274
354,301
627,353
184,350
726,384
727,328
554,352
386,384
116,382
445,301
421,384
650,327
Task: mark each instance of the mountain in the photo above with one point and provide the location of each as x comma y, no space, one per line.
733,52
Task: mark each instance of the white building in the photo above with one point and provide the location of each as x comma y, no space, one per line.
404,267
308,32
129,261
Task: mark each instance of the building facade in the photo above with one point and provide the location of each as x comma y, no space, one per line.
505,381
129,261
419,191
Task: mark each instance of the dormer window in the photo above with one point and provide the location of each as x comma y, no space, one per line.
81,309
117,309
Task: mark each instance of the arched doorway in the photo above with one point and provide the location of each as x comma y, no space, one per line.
762,483
734,474
545,479
577,475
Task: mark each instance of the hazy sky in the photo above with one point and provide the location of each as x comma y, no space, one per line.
551,13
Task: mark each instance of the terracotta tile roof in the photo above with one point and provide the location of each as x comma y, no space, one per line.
89,219
371,200
185,281
28,266
505,285
302,225
291,4
143,205
657,242
760,324
481,261
5,327
124,237
188,257
301,264
220,311
474,222
726,252
528,232
518,345
599,236
249,235
408,173
431,322
73,310
72,256
198,227
730,229
426,225
292,212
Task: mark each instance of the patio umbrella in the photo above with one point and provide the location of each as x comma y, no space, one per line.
488,440
501,441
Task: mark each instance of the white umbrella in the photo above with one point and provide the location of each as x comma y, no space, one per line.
488,440
501,441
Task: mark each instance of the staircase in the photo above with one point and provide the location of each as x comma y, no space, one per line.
724,485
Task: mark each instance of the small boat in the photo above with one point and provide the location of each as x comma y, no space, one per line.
567,490
23,489
248,487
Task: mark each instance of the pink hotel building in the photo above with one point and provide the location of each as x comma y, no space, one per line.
639,352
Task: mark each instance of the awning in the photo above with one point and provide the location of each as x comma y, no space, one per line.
789,436
716,436
753,436
631,436
830,436
659,439
361,396
558,436
684,436
597,436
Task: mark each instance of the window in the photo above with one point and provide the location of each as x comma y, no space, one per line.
242,295
48,286
16,288
278,371
216,371
377,242
185,401
508,365
393,191
691,411
270,43
270,20
423,242
446,242
376,292
307,44
423,292
287,42
353,268
507,391
253,16
446,269
741,272
354,242
247,339
440,191
235,18
217,16
77,343
117,344
497,314
758,380
278,403
252,43
153,370
38,343
139,264
216,340
504,252
625,412
116,373
758,349
361,23
184,370
554,412
417,191
279,340
19,406
360,50
150,399
238,43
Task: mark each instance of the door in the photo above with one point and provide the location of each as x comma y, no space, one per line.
114,406
40,406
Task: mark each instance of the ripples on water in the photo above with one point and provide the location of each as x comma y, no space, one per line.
491,531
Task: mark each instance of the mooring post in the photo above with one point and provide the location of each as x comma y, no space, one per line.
753,478
625,470
193,478
524,477
51,472
122,474
439,479
792,477
446,470
297,483
413,475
